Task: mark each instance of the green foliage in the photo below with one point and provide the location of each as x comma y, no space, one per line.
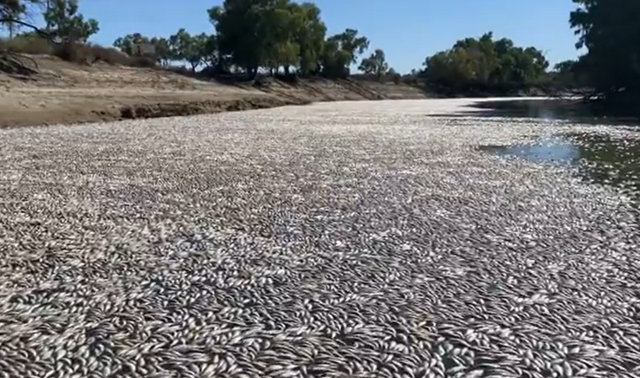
274,35
249,35
309,34
375,64
190,48
269,34
9,10
485,65
15,10
240,26
342,50
26,43
569,75
209,49
610,32
65,23
14,15
280,33
129,44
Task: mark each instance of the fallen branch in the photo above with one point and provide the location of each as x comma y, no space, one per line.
13,62
36,29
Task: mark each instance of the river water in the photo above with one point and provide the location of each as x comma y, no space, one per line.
598,158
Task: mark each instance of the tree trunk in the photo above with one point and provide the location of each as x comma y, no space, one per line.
253,72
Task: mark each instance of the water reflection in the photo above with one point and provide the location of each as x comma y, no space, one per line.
546,109
542,109
597,157
557,150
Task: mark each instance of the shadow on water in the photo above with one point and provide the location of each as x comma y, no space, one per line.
597,157
543,109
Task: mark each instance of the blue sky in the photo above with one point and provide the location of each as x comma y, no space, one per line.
408,30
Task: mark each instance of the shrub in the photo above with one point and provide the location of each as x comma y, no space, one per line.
411,80
26,44
142,62
71,52
88,53
108,55
79,53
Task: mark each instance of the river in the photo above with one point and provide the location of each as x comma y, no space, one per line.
368,239
597,157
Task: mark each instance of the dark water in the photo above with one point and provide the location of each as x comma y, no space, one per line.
566,110
598,158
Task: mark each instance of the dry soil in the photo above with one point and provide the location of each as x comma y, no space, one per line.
64,93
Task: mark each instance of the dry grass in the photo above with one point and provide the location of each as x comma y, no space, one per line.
85,82
79,53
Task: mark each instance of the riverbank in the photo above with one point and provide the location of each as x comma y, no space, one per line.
61,92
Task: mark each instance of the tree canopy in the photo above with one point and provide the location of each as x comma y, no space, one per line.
66,23
610,32
485,65
251,36
375,64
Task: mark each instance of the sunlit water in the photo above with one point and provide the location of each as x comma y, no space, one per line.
599,158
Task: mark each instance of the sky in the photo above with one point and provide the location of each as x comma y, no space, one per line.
407,30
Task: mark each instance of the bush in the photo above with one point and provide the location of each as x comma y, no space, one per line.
142,62
411,79
108,55
79,53
71,52
88,53
290,78
26,44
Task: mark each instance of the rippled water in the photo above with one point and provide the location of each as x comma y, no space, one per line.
597,157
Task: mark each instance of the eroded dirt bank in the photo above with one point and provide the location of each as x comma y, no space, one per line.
62,92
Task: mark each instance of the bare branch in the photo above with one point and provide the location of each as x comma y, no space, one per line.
36,29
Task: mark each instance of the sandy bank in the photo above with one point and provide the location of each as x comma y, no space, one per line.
62,92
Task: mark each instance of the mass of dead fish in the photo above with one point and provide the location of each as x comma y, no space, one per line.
339,239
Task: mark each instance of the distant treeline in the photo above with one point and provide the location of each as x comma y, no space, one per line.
290,38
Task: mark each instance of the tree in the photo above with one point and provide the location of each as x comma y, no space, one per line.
130,42
190,48
209,49
127,44
237,26
14,14
485,65
309,33
276,34
268,33
450,71
566,75
375,64
276,29
67,24
334,61
610,32
342,50
163,50
11,10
